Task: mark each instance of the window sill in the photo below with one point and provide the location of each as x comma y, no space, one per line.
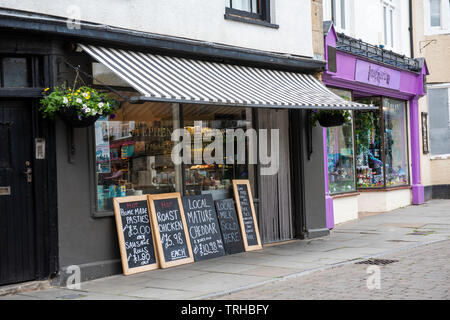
440,157
345,195
384,189
258,22
102,214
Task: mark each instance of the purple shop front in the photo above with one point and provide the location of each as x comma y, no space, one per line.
365,78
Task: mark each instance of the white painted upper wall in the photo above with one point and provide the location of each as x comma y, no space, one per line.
364,19
193,19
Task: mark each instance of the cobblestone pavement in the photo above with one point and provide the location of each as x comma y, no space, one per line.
420,273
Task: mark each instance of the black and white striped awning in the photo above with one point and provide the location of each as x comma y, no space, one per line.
172,79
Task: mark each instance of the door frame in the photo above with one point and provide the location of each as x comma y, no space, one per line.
44,171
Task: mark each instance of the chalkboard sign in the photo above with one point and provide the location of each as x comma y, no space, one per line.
203,227
171,237
229,225
246,214
135,234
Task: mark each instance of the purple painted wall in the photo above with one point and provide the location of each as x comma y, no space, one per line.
406,85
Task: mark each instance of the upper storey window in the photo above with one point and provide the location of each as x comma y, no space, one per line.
250,11
437,16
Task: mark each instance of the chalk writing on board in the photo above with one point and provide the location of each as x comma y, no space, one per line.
247,215
203,227
171,229
137,233
229,225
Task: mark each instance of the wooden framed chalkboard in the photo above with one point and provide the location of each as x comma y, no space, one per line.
229,225
136,234
246,214
171,235
203,227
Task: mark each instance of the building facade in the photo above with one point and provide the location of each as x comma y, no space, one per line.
373,163
170,66
432,41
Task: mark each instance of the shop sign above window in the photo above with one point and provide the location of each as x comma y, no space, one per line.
377,75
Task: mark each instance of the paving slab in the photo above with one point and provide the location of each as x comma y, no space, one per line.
369,236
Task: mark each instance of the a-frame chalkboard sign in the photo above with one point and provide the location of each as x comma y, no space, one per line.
246,214
171,232
135,234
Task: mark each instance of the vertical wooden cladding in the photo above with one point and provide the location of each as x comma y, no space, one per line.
17,219
275,191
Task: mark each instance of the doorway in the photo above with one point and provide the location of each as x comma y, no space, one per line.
275,209
18,261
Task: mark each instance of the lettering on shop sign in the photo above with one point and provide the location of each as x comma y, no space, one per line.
135,234
203,227
246,214
229,225
171,232
377,75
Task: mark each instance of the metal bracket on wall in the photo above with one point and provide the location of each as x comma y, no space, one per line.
309,143
426,43
70,144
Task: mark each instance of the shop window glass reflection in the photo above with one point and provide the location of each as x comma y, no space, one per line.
201,178
133,152
395,142
341,172
368,140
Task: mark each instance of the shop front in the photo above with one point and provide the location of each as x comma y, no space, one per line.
373,162
198,88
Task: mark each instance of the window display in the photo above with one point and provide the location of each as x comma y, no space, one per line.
395,142
341,168
381,144
215,178
368,140
133,152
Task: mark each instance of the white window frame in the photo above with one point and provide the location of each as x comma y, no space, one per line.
440,86
444,28
328,14
390,18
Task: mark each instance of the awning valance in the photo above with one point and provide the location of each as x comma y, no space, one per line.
173,79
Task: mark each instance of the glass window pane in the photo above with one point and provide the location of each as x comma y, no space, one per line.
385,25
369,155
341,172
343,14
15,72
435,13
215,178
104,76
243,5
392,28
133,152
438,109
395,142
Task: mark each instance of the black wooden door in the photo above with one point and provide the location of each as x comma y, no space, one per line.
17,215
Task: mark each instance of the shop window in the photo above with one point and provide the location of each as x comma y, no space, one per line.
395,142
216,178
439,115
341,166
368,140
14,72
381,144
133,152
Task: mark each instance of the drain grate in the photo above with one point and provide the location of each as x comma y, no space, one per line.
377,262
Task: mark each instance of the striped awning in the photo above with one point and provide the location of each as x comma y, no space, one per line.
172,79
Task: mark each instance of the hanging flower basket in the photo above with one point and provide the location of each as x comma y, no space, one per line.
330,118
70,116
77,107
